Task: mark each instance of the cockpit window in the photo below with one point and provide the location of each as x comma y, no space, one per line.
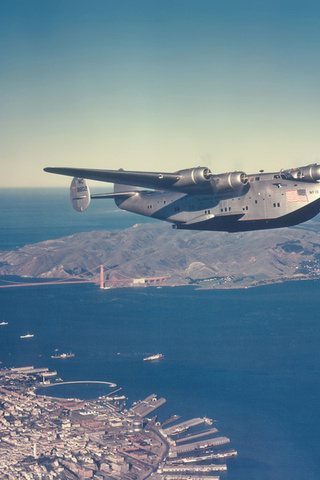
276,176
287,176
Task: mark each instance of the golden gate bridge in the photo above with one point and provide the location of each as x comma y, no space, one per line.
101,275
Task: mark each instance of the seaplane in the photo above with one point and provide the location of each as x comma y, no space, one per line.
197,199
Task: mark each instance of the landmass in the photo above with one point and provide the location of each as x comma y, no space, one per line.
44,438
149,254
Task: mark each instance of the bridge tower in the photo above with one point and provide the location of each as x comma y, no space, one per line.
101,277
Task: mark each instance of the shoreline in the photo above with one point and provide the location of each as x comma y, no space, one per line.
197,285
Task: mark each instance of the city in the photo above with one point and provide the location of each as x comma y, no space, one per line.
49,438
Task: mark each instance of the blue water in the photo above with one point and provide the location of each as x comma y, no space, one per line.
34,215
247,358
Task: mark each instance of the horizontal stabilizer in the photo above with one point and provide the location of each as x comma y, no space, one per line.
118,194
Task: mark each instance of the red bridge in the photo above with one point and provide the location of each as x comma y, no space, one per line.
97,275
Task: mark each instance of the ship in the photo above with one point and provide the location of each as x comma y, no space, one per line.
49,374
63,355
29,335
4,323
152,358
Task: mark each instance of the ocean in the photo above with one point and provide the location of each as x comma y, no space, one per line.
248,358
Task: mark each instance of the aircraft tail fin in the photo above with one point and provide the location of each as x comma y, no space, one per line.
79,194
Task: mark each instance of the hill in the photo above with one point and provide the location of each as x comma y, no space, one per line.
207,259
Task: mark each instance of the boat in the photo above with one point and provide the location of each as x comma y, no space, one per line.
4,323
29,335
152,358
49,374
63,355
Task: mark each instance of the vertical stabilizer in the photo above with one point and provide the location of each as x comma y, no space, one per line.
79,194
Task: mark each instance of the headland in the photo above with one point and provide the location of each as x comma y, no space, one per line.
155,255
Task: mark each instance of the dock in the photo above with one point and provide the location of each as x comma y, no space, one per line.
183,426
171,419
189,477
193,436
195,468
148,405
204,458
190,447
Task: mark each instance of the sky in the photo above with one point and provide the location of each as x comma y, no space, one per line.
157,85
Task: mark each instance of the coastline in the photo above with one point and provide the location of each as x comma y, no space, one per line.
153,255
220,283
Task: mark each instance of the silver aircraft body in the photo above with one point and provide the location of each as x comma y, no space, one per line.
196,199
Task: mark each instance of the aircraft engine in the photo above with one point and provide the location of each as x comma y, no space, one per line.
79,194
191,177
229,181
310,173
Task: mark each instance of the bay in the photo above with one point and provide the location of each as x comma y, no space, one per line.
30,215
247,358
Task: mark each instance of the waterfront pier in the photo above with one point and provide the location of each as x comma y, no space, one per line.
188,477
195,468
186,438
190,447
183,426
144,407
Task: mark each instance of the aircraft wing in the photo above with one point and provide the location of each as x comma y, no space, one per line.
158,181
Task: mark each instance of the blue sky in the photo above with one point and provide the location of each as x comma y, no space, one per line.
157,85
